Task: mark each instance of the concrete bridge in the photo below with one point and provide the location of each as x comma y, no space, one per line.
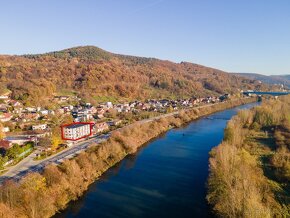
265,93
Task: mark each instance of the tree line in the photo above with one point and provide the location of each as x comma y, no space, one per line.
250,169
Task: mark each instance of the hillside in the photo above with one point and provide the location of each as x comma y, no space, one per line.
273,79
98,75
285,77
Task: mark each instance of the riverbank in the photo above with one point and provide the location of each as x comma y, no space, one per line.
43,195
250,169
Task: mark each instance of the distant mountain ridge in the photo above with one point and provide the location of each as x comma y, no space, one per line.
272,79
97,75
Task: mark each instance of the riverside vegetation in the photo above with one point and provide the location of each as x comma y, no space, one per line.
44,194
250,169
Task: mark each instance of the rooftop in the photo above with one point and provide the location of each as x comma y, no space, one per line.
72,126
4,144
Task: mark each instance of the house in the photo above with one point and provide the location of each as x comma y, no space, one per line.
39,127
101,127
5,117
60,111
39,133
31,109
114,122
62,98
14,103
20,140
17,110
82,115
145,106
4,108
118,108
132,104
3,97
44,112
4,146
83,118
29,116
66,109
5,129
99,116
100,111
164,102
93,110
109,105
126,108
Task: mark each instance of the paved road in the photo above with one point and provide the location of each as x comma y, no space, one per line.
29,165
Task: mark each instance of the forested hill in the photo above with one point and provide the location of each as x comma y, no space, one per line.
273,79
98,75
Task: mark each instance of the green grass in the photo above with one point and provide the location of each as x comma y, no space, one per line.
66,92
263,145
104,98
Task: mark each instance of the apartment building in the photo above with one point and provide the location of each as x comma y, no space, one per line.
76,131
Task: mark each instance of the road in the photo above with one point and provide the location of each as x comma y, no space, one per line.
30,165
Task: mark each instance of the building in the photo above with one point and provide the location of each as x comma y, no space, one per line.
3,97
76,131
39,127
20,140
101,127
109,105
5,117
114,122
5,129
5,144
29,117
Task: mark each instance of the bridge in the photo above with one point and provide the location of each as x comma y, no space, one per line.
265,93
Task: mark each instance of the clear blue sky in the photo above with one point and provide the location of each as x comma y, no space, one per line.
232,35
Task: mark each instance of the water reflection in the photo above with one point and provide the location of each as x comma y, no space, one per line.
166,178
130,161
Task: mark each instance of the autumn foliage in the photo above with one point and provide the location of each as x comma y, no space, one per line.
95,75
250,169
41,195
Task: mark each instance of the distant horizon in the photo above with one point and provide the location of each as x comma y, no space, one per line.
243,36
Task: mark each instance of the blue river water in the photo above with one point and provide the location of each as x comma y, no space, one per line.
165,178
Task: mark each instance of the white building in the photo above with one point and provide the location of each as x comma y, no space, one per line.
109,105
39,127
20,140
5,129
44,112
3,97
76,131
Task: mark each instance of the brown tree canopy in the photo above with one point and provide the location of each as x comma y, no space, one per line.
94,73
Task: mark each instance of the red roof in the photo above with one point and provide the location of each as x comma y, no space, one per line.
5,144
6,115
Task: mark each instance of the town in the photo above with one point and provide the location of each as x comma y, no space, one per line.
49,131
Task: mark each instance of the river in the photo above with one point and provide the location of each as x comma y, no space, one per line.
165,178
